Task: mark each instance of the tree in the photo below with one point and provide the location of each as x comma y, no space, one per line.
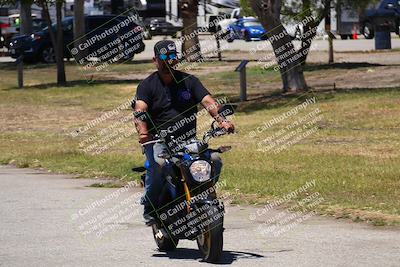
117,6
25,17
311,13
79,18
190,36
57,39
79,22
328,27
291,67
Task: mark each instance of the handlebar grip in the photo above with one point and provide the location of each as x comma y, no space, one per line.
219,132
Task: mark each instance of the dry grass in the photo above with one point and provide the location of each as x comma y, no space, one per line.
354,155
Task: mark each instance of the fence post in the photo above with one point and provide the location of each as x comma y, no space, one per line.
20,67
243,83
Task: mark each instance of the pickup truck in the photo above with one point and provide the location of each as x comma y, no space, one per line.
385,13
233,17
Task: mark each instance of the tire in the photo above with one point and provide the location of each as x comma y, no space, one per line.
230,37
368,31
48,55
246,37
344,36
29,60
164,243
210,241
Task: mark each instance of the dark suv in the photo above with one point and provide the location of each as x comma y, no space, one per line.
385,13
38,47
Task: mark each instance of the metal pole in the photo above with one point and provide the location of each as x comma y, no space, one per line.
20,67
218,46
331,55
243,89
328,28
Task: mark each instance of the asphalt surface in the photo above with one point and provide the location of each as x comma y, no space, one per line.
208,44
44,221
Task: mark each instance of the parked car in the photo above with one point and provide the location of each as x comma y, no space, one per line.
385,13
10,26
38,24
296,30
38,47
233,17
1,40
161,27
246,29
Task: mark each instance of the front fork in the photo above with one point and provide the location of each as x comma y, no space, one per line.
186,189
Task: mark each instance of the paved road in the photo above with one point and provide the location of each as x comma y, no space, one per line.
208,44
43,218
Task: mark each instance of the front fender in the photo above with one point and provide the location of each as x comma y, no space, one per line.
211,202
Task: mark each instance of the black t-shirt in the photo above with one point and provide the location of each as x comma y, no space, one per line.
172,107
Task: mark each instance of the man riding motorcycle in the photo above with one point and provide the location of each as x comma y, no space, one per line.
169,97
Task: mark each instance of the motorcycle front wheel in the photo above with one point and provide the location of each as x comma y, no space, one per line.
163,242
210,241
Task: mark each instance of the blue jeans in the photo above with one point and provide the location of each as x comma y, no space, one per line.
155,179
155,175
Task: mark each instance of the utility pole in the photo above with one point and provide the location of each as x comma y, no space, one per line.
328,27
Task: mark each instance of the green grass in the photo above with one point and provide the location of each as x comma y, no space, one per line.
354,155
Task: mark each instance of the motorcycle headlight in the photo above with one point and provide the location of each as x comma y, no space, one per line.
200,170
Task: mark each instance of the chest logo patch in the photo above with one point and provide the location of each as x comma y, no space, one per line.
184,95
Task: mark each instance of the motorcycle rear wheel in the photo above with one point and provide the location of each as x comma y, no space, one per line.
210,241
164,243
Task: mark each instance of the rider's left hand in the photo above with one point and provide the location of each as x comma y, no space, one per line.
227,125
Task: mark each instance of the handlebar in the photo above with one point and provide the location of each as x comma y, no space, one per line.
214,132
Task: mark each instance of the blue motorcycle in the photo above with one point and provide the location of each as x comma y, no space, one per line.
190,208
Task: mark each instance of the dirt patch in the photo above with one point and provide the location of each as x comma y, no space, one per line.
377,57
372,77
373,217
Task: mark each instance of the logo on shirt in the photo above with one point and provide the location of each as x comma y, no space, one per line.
184,95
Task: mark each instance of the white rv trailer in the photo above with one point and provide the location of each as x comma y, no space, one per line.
209,10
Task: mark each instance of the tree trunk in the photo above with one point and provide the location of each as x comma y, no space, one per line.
291,71
312,27
331,55
79,28
26,18
117,6
61,79
328,28
191,45
57,42
79,19
310,31
46,15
